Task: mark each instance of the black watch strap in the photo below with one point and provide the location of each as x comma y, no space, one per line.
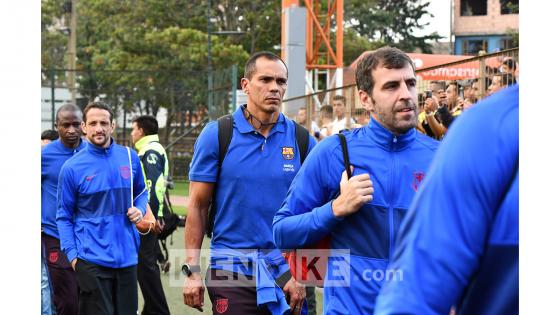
283,279
188,270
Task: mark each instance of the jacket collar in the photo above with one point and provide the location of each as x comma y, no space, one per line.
66,149
144,141
387,139
101,151
244,126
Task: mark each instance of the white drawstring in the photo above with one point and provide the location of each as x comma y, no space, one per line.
131,192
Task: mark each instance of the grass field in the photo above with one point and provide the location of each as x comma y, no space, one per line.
173,280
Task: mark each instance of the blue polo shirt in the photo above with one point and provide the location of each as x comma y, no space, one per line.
255,176
53,156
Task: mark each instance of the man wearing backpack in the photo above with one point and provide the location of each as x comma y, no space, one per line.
155,167
261,156
360,204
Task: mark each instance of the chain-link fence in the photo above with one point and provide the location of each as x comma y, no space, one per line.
180,99
481,74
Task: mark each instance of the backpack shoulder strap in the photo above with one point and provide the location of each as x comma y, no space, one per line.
302,139
225,132
344,146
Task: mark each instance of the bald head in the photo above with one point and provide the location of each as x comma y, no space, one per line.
68,108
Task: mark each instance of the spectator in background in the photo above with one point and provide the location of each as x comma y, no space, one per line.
362,117
500,81
339,110
48,136
325,121
470,91
509,66
301,118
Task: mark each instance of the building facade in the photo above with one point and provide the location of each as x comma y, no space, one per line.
484,25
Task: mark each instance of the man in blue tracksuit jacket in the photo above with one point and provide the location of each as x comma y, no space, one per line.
53,156
361,214
96,219
459,244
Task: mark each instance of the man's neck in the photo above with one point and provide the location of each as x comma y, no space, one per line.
264,120
339,118
71,145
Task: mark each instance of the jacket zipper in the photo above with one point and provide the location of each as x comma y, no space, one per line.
391,210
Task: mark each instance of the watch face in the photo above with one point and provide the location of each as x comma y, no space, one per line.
185,269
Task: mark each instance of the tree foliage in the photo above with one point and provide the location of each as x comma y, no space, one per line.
391,22
141,54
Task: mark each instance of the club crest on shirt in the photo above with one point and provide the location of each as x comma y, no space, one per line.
221,305
418,177
125,172
288,153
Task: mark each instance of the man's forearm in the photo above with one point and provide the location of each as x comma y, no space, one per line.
194,233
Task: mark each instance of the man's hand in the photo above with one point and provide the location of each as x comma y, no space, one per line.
193,291
158,227
295,295
134,215
430,105
73,263
354,193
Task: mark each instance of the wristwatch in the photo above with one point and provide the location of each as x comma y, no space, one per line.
188,270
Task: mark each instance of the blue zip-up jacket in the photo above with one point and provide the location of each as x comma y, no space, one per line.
53,156
93,199
460,241
396,165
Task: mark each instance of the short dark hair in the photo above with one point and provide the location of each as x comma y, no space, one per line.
49,135
67,108
387,57
339,98
453,83
510,63
251,65
327,110
148,124
98,105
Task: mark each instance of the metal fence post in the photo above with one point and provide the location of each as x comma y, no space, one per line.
52,97
233,88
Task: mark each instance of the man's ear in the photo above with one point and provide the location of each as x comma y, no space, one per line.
244,84
83,124
366,100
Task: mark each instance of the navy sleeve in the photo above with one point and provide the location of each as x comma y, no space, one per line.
306,214
444,234
204,164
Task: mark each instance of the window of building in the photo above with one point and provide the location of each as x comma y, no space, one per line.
509,6
474,7
506,43
473,46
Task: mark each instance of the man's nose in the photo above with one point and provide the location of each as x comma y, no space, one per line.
404,92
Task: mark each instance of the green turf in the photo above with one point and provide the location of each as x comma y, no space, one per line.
180,210
181,188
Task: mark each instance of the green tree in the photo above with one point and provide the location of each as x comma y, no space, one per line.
390,21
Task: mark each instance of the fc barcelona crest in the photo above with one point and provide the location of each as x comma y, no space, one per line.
288,153
125,172
221,305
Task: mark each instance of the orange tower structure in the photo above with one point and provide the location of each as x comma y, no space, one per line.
320,54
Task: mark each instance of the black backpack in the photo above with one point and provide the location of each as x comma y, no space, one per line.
225,132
